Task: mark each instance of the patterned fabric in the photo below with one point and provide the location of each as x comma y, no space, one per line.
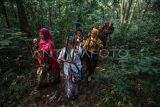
92,44
71,89
75,77
71,72
44,75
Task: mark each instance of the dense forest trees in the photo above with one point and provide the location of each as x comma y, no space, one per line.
49,13
132,80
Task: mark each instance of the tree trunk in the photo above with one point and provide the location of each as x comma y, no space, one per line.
121,12
125,12
139,8
50,16
13,10
128,9
132,12
42,13
33,16
123,6
5,12
24,26
149,1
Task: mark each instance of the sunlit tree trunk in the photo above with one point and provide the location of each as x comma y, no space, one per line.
129,5
132,12
127,10
4,12
121,12
139,8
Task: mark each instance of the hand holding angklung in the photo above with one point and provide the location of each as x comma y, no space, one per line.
35,42
72,62
59,61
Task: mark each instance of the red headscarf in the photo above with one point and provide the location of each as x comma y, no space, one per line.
46,33
47,36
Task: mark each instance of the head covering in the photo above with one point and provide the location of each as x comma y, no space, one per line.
108,24
97,32
46,33
80,30
71,38
78,25
47,36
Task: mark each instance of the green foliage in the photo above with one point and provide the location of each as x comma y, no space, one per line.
13,86
119,87
147,64
140,66
140,37
121,80
14,73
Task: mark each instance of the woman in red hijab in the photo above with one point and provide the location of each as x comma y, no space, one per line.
47,58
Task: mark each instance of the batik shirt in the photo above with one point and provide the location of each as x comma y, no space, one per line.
93,44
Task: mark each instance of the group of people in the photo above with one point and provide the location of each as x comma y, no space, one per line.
79,57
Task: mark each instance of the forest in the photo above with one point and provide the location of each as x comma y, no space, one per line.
128,77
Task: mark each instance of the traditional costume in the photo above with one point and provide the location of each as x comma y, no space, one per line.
47,60
72,68
90,55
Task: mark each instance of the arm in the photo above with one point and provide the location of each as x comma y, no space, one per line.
61,56
85,44
35,47
52,51
100,43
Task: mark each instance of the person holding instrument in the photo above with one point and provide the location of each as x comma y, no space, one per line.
70,57
90,55
48,69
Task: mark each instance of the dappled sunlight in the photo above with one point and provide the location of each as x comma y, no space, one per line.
100,69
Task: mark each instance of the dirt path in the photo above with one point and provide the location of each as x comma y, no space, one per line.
54,96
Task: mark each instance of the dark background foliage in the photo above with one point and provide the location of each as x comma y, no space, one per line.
132,80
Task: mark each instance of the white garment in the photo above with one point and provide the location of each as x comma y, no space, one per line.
76,59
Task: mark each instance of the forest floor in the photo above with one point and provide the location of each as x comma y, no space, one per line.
53,96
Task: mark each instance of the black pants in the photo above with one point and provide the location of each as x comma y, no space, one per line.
91,66
89,62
